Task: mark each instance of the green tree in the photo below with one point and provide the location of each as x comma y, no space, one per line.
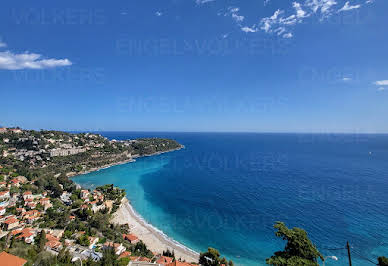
212,258
41,240
299,249
383,261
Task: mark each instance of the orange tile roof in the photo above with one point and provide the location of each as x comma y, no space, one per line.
130,237
51,238
125,254
11,220
144,259
11,260
164,260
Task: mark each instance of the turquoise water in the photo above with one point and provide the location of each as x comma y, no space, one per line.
227,190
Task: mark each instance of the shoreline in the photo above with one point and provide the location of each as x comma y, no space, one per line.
155,239
131,160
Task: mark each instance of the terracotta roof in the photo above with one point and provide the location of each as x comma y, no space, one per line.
51,238
27,193
125,254
144,259
11,220
164,260
53,244
130,237
11,260
3,192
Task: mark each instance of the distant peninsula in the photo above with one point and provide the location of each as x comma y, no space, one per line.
47,152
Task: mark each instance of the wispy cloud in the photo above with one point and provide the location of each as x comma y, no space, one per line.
346,79
201,2
348,7
381,82
158,13
2,44
234,13
283,21
11,61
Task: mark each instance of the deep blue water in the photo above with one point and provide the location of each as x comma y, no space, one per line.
227,190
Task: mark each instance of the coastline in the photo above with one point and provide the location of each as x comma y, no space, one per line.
155,240
131,160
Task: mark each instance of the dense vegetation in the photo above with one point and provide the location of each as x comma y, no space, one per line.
299,250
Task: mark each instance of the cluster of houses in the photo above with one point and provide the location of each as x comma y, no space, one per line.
40,149
29,208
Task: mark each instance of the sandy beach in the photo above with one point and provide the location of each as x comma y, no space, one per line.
155,241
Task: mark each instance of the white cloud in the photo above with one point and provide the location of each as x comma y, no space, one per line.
249,29
2,44
288,35
381,89
323,6
347,79
11,61
348,7
266,2
300,13
381,82
158,13
201,2
234,13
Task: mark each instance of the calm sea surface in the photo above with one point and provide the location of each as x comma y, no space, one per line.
227,190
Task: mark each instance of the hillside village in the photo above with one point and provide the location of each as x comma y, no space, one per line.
47,219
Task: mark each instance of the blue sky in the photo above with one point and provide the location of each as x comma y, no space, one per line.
195,65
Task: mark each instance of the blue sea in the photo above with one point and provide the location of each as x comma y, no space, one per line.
226,190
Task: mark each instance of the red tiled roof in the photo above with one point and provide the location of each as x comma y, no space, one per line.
164,260
11,260
130,237
11,220
125,254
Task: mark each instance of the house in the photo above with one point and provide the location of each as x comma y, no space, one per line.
15,183
119,248
65,198
180,263
27,234
164,260
20,210
95,256
31,205
28,195
53,245
93,241
45,202
11,223
11,260
4,195
2,210
3,184
125,254
131,238
84,194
